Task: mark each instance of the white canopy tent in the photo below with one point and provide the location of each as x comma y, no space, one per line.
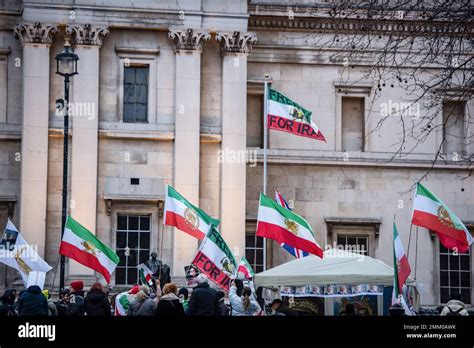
336,267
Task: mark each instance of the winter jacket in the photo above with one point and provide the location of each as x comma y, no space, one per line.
33,302
169,306
454,307
236,302
97,304
204,301
75,306
52,310
224,311
7,306
142,308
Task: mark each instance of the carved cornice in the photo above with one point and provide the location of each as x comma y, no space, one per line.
189,39
236,42
87,34
349,25
35,33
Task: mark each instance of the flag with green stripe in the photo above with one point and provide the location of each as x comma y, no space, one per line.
183,215
79,244
215,259
285,226
430,212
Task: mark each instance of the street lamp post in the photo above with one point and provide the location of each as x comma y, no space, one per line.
66,66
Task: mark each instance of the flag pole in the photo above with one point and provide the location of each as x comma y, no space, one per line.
416,251
265,142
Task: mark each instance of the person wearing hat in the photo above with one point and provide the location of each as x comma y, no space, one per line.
76,299
52,310
204,299
143,305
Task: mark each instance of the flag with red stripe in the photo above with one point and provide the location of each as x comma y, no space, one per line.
430,212
183,215
287,116
400,262
79,244
285,226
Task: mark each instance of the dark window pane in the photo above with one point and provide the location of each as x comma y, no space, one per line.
465,279
121,239
133,258
250,256
133,223
132,277
444,295
258,269
466,295
141,94
351,241
144,240
130,94
341,240
453,262
249,240
260,242
465,262
443,262
141,112
129,75
128,112
141,76
453,279
120,275
444,278
133,240
121,255
122,222
144,223
259,257
144,256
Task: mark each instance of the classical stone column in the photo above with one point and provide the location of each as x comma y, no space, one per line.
36,39
235,48
84,110
189,45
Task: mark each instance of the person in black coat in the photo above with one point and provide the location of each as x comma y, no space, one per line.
204,299
170,304
224,311
33,302
7,306
96,302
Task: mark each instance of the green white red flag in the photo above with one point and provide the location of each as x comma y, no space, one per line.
146,276
287,116
401,266
79,244
431,213
183,215
245,268
215,259
285,226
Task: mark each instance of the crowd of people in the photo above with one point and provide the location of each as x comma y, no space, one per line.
170,301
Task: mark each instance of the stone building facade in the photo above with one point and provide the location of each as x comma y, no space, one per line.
172,93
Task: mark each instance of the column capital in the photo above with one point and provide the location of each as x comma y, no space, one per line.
35,33
236,42
189,39
87,34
